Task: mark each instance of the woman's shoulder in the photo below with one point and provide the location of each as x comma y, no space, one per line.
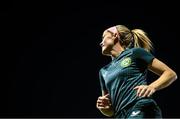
139,50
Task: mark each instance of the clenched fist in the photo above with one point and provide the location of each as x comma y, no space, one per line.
103,102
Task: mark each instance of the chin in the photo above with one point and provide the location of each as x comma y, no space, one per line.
106,53
106,50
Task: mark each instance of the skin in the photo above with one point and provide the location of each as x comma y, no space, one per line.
112,47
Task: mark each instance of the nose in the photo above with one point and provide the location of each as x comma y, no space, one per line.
101,44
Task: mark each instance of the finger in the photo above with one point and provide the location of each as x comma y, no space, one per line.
101,105
106,107
106,98
103,98
151,92
136,87
142,91
138,91
101,108
99,101
146,93
104,101
107,95
100,98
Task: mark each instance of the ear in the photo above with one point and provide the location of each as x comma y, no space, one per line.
115,37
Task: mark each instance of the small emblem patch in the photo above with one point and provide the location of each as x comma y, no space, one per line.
135,113
126,62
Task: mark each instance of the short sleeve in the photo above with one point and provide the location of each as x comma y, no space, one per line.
102,82
143,55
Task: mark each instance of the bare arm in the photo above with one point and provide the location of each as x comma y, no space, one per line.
167,75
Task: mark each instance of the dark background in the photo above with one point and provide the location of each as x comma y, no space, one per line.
51,55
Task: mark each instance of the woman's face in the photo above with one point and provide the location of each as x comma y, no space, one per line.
107,43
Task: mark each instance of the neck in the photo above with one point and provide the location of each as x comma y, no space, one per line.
116,50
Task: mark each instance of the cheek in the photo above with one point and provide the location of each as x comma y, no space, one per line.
109,42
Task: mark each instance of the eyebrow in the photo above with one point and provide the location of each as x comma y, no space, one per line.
108,32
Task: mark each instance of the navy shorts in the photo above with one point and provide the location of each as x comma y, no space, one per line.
141,109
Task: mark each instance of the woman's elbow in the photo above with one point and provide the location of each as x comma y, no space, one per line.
174,75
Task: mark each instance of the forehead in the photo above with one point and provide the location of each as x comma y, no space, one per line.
107,33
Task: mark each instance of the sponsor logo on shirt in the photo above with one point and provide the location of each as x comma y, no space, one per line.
135,113
125,62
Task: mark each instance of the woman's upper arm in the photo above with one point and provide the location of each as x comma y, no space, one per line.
158,67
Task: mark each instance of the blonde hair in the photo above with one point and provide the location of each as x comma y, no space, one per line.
134,38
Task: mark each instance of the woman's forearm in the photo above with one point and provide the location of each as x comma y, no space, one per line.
166,78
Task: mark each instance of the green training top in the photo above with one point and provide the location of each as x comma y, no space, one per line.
122,74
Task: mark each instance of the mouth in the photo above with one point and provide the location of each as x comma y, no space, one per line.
102,45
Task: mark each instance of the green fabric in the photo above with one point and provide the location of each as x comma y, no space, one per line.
144,108
122,74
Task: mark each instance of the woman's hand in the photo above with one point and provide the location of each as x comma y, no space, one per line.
145,90
104,105
103,102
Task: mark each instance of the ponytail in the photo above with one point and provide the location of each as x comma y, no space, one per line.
141,40
134,38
